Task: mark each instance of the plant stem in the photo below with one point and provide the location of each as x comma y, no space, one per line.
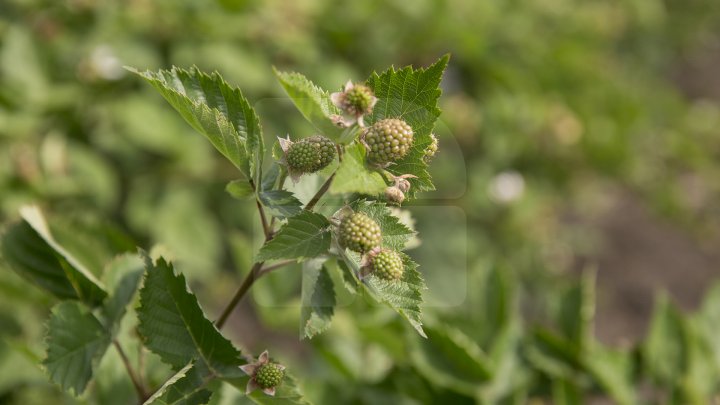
275,266
137,383
323,189
244,287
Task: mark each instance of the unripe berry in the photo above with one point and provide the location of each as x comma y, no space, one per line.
388,265
388,141
310,154
269,375
359,233
431,149
358,100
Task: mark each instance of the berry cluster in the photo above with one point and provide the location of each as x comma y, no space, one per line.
310,154
359,233
388,141
269,375
387,264
431,149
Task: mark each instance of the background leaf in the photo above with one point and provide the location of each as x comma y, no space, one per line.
30,249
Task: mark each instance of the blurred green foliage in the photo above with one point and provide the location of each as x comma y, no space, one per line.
549,106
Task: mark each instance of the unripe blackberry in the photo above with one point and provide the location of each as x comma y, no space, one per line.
359,233
431,149
358,100
388,140
269,375
388,265
310,154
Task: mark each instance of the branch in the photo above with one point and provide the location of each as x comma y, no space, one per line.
137,383
266,228
244,287
275,266
323,189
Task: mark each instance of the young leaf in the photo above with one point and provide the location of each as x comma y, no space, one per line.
124,273
404,295
239,189
76,341
412,95
313,102
451,359
30,249
305,235
186,387
216,110
394,233
353,175
318,299
280,203
174,327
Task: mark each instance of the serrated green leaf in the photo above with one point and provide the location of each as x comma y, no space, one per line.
239,189
280,203
305,235
318,299
353,176
313,102
394,233
404,295
76,341
217,110
174,327
186,387
30,249
451,359
124,272
410,94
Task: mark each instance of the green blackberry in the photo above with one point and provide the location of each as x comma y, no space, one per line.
310,154
358,100
388,141
388,265
359,233
269,375
431,149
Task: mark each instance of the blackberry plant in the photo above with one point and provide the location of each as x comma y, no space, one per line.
337,233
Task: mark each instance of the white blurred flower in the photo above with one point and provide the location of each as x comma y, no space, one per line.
105,63
506,187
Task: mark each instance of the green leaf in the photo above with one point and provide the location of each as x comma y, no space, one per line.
613,370
239,189
280,203
313,102
76,341
394,233
174,327
305,235
566,392
451,359
665,351
353,176
30,249
288,393
217,110
577,311
404,295
186,387
318,299
410,94
124,273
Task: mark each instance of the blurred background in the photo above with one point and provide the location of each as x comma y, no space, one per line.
579,140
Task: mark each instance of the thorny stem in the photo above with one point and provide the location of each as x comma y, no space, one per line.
137,383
